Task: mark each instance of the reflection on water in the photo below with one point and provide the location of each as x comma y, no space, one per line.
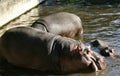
101,22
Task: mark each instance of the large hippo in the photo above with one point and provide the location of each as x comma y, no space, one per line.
31,48
104,48
63,23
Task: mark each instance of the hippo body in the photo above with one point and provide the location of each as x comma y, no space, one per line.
104,48
63,23
31,48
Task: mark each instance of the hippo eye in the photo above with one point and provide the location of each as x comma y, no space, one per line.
106,47
110,51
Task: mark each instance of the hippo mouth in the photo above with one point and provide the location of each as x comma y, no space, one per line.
95,64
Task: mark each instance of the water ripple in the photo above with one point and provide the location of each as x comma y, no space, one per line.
115,22
110,14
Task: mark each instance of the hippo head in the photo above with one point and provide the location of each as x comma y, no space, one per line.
104,47
107,51
82,59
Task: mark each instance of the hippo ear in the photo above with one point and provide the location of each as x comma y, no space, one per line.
75,50
73,47
79,48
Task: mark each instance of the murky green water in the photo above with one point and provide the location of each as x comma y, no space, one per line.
101,22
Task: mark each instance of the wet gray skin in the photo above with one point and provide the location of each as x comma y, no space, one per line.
31,48
62,23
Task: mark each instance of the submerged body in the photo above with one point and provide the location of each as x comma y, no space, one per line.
31,48
63,23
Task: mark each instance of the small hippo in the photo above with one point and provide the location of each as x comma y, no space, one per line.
103,47
63,23
35,49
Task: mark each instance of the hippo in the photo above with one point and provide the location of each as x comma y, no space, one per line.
31,48
62,23
104,48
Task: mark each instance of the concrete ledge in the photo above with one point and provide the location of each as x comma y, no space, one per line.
10,9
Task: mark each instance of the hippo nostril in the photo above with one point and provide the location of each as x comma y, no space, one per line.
106,48
111,51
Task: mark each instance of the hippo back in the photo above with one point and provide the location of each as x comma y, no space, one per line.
63,23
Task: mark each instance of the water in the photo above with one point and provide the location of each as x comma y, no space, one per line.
102,22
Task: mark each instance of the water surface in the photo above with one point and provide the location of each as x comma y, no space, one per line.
102,22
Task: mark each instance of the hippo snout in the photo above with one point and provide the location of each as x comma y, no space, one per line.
107,51
98,64
104,47
97,61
